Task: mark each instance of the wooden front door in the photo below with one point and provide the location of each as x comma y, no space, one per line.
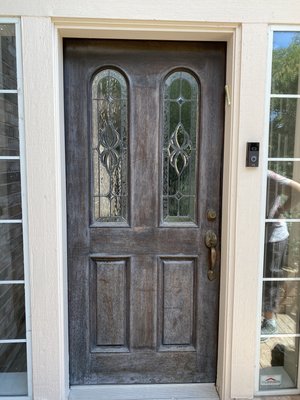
144,139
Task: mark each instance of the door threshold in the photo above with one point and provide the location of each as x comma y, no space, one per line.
185,391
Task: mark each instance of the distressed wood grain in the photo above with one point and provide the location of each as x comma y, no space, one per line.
178,302
170,312
111,303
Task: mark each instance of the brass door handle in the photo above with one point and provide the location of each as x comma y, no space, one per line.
211,242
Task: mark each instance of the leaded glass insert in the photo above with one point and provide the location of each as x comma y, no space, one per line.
110,147
180,128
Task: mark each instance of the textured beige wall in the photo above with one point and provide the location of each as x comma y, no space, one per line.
44,171
252,110
273,11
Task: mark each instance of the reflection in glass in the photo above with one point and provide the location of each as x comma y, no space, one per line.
13,360
280,303
285,63
283,196
289,258
11,252
283,190
12,312
8,74
10,190
180,129
9,131
13,370
110,147
283,296
278,363
284,135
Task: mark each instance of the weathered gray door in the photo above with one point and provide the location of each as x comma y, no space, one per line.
144,137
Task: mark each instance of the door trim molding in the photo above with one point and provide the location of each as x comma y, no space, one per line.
144,29
151,30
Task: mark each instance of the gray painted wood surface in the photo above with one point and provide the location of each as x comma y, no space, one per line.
141,307
202,391
178,306
111,307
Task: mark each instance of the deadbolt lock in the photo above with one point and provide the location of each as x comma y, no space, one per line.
211,215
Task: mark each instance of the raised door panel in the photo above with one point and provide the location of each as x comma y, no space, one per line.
178,311
109,304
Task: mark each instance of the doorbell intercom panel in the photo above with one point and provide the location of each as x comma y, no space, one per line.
252,158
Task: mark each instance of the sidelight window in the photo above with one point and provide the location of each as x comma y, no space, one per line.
14,313
280,323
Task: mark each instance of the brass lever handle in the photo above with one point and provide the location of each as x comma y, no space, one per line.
211,242
213,257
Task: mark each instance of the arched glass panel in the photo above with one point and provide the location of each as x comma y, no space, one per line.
110,147
180,128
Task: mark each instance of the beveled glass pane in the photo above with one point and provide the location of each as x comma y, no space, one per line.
180,131
284,134
9,131
11,252
174,89
173,117
110,147
8,71
283,298
278,363
12,311
10,190
13,370
282,257
285,63
283,190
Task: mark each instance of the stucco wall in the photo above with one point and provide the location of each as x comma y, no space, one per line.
275,11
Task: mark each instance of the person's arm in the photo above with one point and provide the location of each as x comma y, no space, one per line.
284,181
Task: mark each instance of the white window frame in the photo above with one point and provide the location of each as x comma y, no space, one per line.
266,159
24,220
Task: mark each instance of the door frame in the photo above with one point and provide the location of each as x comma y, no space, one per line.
165,30
228,355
